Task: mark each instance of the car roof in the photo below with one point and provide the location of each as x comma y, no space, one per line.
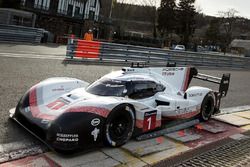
122,76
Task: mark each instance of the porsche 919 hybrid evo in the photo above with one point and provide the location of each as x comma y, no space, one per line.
69,114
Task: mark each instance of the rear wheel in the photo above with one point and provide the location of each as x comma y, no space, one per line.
119,126
207,107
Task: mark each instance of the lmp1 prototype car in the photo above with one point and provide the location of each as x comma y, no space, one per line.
69,114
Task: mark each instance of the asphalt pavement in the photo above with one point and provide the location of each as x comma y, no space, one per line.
19,73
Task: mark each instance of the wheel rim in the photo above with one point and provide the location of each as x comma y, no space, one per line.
118,127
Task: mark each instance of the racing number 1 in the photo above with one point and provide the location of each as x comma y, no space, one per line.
149,122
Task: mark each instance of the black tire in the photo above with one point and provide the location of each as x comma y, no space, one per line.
207,107
119,126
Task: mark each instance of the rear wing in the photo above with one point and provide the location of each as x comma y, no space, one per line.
223,82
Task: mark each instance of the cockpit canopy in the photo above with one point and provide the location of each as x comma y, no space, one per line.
134,89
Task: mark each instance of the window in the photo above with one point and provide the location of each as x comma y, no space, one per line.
132,89
91,15
93,3
30,3
108,87
143,89
77,11
70,10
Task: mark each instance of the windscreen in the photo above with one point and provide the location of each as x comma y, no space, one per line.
108,87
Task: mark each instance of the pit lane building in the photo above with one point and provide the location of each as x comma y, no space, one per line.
60,17
64,16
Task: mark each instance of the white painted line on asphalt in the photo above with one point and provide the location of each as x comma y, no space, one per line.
26,54
32,56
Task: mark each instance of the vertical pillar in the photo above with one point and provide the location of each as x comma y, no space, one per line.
74,7
33,20
8,17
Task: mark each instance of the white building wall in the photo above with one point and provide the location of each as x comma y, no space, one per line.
41,4
90,7
47,4
97,12
63,6
87,6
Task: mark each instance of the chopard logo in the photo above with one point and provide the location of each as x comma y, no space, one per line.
95,122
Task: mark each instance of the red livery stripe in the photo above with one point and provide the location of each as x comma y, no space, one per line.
33,102
89,109
185,83
38,114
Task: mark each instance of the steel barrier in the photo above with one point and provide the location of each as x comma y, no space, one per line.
12,33
118,52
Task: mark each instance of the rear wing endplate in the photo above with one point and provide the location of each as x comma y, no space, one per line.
223,82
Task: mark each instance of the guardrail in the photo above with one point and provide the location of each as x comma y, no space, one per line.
12,33
154,56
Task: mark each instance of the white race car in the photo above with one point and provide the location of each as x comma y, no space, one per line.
68,114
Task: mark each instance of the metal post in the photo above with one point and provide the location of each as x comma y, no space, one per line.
33,20
83,15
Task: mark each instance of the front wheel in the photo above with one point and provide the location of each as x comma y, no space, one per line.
207,107
119,126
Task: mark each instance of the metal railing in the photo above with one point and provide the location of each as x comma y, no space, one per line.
12,33
112,52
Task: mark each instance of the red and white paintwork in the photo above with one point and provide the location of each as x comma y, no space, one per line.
54,96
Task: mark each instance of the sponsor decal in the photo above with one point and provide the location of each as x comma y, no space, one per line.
185,112
164,73
173,69
195,94
95,133
58,104
185,115
62,137
45,121
149,122
58,89
95,122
